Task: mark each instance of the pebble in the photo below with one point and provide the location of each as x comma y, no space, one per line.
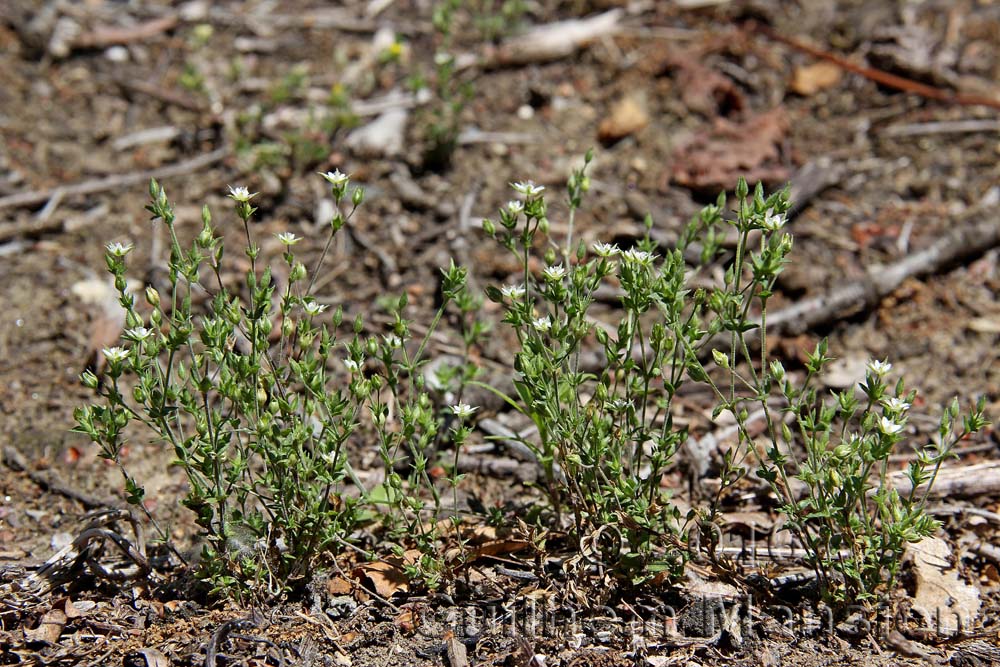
117,54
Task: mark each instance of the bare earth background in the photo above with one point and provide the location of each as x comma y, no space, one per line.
678,99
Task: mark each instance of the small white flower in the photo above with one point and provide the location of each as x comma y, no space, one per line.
528,188
463,410
542,324
554,273
393,341
115,354
606,249
515,207
636,256
139,333
240,194
336,178
879,368
513,292
287,238
351,365
119,249
895,404
773,221
889,427
618,405
312,308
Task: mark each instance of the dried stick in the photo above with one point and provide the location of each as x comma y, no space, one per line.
103,37
979,479
554,41
175,98
878,76
115,181
15,460
858,295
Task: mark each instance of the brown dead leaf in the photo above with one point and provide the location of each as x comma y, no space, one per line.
49,627
71,610
493,548
947,603
811,79
408,621
702,89
338,586
713,160
627,116
386,578
388,575
150,657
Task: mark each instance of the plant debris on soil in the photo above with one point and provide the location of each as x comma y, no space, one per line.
882,116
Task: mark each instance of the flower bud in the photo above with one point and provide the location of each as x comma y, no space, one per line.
152,296
205,238
89,380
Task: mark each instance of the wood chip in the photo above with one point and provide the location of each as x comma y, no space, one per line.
811,79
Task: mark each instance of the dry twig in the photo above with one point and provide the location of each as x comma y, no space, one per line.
878,76
963,241
112,182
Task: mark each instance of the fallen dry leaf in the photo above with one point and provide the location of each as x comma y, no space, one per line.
408,621
71,610
811,79
150,656
386,578
338,586
702,89
707,91
713,160
49,627
388,575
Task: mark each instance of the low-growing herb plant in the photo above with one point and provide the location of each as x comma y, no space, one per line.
606,434
258,399
850,519
247,396
854,521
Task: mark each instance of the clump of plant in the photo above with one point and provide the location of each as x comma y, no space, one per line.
606,433
247,395
438,122
852,521
258,398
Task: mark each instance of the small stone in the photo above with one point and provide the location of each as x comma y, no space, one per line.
627,117
117,54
